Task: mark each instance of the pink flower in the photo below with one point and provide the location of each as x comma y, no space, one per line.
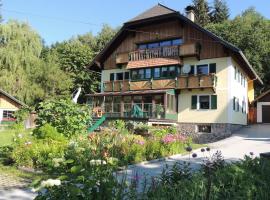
140,142
173,138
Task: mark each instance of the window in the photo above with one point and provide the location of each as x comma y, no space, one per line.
134,74
156,72
112,77
241,78
204,128
126,76
204,102
235,73
172,71
165,43
153,45
119,76
164,72
8,114
142,46
202,69
147,73
141,74
236,105
238,72
177,42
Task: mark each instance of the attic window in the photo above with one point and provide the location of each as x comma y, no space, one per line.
163,43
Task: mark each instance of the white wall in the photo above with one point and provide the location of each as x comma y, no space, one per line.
235,89
219,115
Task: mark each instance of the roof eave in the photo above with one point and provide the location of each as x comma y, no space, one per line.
12,98
251,68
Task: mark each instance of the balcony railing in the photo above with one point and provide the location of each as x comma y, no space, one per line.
143,54
184,50
181,82
135,110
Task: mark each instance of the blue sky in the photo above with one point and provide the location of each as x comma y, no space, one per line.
58,20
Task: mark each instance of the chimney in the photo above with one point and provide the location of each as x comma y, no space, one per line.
190,13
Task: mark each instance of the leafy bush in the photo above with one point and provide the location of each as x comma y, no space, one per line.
48,132
32,152
68,118
247,179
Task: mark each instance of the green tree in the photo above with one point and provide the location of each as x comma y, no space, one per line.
201,10
20,48
220,11
26,72
74,57
76,54
249,31
67,117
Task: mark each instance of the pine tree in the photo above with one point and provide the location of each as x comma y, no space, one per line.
220,11
201,10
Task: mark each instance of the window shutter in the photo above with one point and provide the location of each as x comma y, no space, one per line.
233,103
192,70
213,102
212,68
112,77
194,102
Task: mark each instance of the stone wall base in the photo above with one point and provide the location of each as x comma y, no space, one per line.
218,131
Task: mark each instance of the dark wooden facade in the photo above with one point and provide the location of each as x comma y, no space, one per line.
209,48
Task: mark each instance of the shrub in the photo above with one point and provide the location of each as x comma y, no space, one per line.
32,152
47,132
68,118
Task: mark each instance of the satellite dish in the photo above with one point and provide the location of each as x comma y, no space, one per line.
186,68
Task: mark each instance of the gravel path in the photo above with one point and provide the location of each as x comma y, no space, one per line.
14,189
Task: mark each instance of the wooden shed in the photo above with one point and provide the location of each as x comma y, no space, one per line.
260,110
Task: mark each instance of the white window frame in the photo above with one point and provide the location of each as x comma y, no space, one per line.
198,102
196,68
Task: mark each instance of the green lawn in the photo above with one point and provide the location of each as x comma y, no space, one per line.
6,137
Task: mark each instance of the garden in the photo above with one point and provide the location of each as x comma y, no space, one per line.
75,164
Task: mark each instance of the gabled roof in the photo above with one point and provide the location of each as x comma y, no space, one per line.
261,96
153,12
12,98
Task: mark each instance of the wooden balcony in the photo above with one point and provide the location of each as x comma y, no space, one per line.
184,50
181,82
161,52
196,81
190,49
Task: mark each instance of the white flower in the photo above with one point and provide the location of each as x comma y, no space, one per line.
20,135
50,183
97,162
57,161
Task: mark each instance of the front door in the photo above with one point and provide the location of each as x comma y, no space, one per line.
265,114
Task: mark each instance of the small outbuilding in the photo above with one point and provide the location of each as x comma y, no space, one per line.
260,109
8,105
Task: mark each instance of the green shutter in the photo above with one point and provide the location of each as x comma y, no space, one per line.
192,71
212,68
194,102
213,102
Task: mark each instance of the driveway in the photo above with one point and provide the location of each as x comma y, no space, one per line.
255,138
14,189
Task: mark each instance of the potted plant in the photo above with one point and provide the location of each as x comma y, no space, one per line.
159,110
